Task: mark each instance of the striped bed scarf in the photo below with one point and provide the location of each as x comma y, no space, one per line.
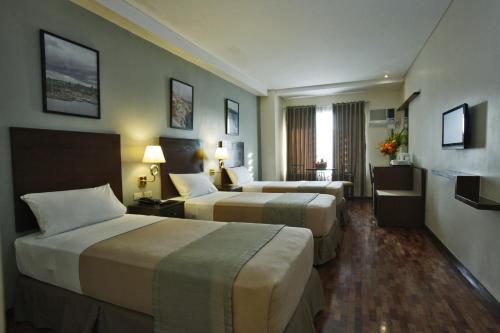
192,287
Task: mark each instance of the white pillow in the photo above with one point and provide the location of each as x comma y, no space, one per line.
190,185
239,175
60,211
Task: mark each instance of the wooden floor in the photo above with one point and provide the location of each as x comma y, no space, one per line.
396,280
391,280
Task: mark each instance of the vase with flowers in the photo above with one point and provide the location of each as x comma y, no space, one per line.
394,141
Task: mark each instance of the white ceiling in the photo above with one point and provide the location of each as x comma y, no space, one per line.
280,44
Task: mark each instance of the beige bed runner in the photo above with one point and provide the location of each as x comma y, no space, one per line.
193,286
266,292
288,208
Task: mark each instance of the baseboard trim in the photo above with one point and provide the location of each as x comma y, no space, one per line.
479,289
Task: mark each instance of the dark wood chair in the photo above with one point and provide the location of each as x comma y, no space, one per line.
372,182
399,196
296,172
345,175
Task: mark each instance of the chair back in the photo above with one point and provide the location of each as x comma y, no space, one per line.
295,172
371,173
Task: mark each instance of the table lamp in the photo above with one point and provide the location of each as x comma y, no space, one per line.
221,154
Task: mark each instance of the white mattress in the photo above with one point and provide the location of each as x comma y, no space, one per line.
55,259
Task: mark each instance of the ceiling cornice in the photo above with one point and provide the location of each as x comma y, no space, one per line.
336,88
130,18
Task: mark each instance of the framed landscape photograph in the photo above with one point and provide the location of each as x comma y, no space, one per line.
232,117
181,105
70,77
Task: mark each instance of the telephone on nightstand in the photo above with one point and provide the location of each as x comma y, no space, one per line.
149,201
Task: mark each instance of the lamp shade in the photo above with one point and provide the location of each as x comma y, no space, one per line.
221,153
153,154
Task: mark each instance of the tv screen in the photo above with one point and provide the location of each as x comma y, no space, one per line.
456,128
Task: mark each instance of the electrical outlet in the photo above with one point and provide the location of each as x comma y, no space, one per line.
148,194
138,195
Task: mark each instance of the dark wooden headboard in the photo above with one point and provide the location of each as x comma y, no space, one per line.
48,160
181,156
236,151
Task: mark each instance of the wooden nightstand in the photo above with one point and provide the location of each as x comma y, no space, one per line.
230,188
167,209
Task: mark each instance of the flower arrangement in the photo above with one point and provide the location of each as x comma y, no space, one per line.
320,164
393,142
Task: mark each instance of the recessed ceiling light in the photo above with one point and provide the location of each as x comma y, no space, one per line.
386,76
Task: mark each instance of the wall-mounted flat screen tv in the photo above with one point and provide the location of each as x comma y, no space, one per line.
456,128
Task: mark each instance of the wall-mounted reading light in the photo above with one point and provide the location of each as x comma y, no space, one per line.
154,155
221,154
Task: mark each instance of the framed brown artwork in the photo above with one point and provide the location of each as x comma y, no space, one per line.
181,105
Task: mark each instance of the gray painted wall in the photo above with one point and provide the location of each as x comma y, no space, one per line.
134,97
461,64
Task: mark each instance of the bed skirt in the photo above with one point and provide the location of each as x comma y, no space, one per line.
325,248
46,306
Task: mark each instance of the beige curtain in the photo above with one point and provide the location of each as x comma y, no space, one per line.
301,140
349,147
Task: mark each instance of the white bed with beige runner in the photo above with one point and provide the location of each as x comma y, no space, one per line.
249,207
114,262
240,176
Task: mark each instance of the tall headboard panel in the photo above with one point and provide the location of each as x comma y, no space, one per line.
48,160
182,156
236,151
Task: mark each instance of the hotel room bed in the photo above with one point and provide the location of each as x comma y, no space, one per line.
319,213
114,261
335,188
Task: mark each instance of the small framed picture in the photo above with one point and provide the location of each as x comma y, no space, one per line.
232,117
181,105
70,77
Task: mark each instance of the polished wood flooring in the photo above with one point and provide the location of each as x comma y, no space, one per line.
397,280
391,280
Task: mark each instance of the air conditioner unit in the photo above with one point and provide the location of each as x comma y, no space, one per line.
381,117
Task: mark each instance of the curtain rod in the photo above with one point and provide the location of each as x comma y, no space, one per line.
325,105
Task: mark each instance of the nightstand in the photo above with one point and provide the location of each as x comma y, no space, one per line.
230,188
167,209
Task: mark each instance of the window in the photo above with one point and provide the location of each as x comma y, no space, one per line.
324,134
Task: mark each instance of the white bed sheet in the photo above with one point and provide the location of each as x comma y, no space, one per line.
55,259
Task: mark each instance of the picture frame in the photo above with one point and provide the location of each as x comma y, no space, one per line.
232,117
70,77
181,105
